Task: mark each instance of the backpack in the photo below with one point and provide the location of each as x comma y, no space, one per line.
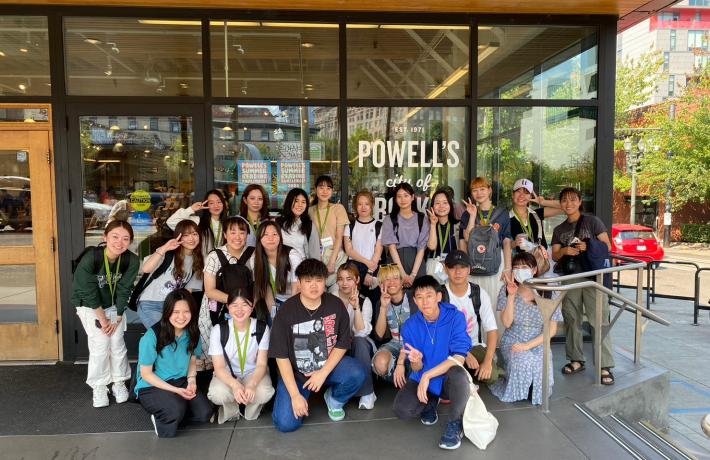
148,278
475,297
224,337
484,247
231,277
98,259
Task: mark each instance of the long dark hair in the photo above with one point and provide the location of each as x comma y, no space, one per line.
320,180
450,200
167,331
197,263
287,218
205,225
244,209
407,187
261,264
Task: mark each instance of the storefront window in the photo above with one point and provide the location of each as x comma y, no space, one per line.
274,59
278,147
133,57
425,146
24,56
407,61
142,175
537,62
552,146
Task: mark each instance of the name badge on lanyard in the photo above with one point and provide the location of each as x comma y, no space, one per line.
326,243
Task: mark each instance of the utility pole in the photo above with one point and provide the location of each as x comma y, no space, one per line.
632,160
667,217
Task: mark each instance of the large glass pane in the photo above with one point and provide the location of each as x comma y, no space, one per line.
407,61
141,174
537,62
133,57
274,59
425,146
24,56
26,115
278,147
15,198
552,146
18,302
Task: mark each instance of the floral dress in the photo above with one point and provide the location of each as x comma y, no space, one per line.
522,368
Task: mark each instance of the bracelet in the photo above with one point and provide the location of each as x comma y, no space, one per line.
161,254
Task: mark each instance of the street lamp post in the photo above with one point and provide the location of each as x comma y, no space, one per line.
633,158
667,217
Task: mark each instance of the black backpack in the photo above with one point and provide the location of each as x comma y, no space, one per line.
231,277
98,259
224,337
475,297
148,278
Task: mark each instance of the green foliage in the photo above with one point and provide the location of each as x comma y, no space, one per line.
636,80
695,233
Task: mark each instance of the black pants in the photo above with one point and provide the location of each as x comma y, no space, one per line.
170,409
456,386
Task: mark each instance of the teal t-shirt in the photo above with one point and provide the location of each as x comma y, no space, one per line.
172,363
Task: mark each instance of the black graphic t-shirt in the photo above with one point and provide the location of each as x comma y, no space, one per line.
307,337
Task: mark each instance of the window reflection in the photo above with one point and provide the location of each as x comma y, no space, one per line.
522,62
278,147
24,56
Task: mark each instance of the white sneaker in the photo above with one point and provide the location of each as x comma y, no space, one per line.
155,427
101,396
120,392
367,401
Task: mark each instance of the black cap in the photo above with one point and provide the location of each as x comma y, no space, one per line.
457,257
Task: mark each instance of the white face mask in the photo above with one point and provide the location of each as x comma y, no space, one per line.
522,274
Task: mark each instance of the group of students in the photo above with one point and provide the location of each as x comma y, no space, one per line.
320,302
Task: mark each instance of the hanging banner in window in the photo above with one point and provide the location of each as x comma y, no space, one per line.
294,151
292,174
254,172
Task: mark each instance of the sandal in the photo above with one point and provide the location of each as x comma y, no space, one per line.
569,368
607,376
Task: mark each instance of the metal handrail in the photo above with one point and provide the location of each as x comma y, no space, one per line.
548,306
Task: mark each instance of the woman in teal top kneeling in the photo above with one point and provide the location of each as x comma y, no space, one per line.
165,384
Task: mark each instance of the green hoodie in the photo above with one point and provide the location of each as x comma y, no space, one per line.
90,289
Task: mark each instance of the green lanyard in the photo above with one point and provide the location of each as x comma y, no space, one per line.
273,283
321,225
527,226
488,216
443,240
242,353
254,227
112,280
218,236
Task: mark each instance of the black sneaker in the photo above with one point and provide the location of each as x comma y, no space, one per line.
451,439
429,415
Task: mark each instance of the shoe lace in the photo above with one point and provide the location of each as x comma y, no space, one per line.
453,429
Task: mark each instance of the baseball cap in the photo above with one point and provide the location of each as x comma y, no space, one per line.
457,257
523,183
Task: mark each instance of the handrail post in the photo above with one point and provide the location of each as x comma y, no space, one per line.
547,309
638,326
599,295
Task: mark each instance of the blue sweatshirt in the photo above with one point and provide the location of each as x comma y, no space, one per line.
450,338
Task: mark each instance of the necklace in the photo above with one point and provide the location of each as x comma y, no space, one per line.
311,312
436,326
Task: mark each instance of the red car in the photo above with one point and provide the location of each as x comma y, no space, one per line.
635,241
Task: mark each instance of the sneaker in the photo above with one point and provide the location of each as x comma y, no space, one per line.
429,415
368,401
451,439
335,415
120,392
155,427
101,396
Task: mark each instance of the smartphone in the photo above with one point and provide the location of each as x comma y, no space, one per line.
98,323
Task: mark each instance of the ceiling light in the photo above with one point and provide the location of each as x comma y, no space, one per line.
199,52
2,54
422,27
145,126
305,25
166,157
29,120
115,128
22,86
227,128
24,50
92,41
146,151
308,44
183,85
236,23
168,22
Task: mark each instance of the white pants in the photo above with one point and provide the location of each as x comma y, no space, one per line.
221,395
108,356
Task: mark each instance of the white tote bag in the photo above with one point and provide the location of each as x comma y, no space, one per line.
479,425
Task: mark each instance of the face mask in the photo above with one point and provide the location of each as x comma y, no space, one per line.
522,274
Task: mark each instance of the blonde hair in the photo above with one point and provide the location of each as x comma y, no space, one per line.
387,272
480,182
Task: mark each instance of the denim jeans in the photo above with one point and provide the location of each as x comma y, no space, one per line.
345,380
150,312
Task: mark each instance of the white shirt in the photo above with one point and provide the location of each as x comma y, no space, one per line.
232,350
212,264
164,284
294,259
465,306
363,238
295,239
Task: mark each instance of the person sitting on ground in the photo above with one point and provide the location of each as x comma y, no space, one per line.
360,311
166,382
309,340
522,343
239,348
475,304
436,344
392,310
